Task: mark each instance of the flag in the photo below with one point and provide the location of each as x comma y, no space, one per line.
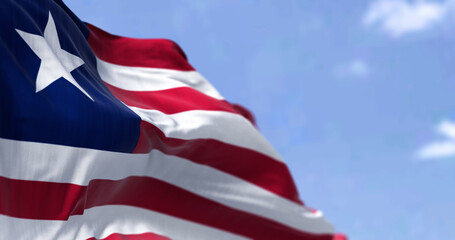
108,137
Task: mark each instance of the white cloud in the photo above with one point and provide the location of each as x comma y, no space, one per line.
399,17
447,128
437,150
442,148
355,68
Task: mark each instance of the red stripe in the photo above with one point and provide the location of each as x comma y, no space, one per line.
153,53
244,112
143,236
177,100
58,201
340,236
243,163
170,101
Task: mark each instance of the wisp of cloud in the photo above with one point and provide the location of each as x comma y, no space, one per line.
399,17
441,148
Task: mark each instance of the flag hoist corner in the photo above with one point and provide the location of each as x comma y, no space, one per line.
108,137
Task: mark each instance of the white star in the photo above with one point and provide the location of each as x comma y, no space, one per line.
55,62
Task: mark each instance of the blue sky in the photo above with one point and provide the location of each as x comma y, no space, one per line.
356,95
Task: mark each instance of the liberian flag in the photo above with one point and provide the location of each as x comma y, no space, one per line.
107,137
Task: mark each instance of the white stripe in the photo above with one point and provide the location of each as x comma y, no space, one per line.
100,222
196,124
153,79
54,163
